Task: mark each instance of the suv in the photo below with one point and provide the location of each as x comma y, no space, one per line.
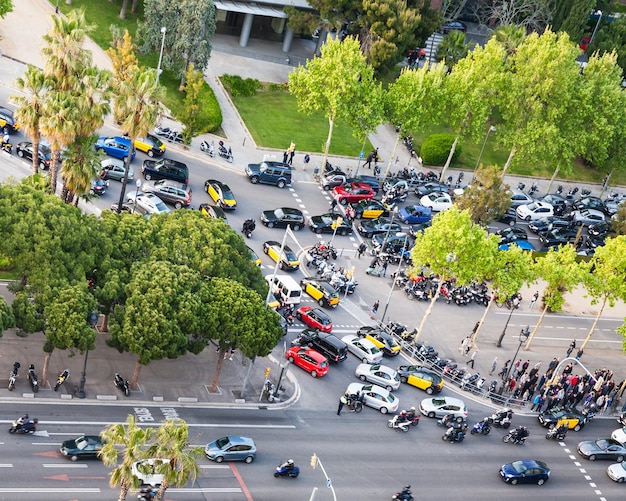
276,173
178,196
331,347
165,168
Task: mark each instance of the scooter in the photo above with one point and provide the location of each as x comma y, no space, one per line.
208,148
557,433
122,384
224,152
502,418
248,227
147,493
287,469
61,379
32,379
398,423
455,433
516,436
23,425
482,427
8,147
13,375
404,495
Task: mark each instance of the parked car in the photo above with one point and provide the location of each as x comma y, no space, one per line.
85,446
220,193
511,234
442,406
7,120
534,210
114,168
44,154
276,173
326,223
525,471
170,192
378,226
449,26
375,396
363,349
518,198
283,217
151,145
589,203
116,147
370,209
522,244
314,318
558,202
149,203
287,259
430,187
320,290
544,224
558,236
380,375
587,216
605,448
437,201
308,359
508,217
415,214
352,193
231,448
165,168
600,229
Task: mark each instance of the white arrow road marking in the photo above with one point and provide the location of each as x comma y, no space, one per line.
42,433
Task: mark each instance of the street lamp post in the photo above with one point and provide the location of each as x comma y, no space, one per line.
393,216
489,131
163,31
93,318
595,30
393,285
499,343
523,335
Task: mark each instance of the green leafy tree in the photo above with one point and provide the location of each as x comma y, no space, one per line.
454,249
562,272
452,49
605,283
611,37
28,318
509,37
81,164
190,116
571,17
6,6
132,440
618,221
332,83
486,199
7,319
124,59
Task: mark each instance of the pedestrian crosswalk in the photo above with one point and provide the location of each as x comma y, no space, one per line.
432,44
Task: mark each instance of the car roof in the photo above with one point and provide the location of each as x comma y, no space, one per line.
237,439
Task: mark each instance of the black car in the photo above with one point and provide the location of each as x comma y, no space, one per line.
328,345
589,203
382,225
25,150
600,229
393,245
370,209
416,229
7,121
511,234
324,224
283,217
525,471
544,224
509,217
558,236
85,446
165,168
430,187
381,339
98,187
449,26
575,420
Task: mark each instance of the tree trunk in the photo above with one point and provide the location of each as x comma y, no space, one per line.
133,380
393,154
482,320
54,171
36,157
123,11
133,9
216,375
508,160
123,491
556,172
449,160
105,323
530,338
44,370
161,491
428,311
331,123
595,322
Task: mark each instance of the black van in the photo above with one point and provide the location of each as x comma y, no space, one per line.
276,173
165,168
328,345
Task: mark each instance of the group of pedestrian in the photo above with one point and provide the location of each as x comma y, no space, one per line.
290,153
372,157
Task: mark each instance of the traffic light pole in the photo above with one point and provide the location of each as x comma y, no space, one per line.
314,462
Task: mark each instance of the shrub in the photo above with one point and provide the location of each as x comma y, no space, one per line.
237,86
436,148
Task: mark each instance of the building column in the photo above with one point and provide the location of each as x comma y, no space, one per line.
287,40
246,28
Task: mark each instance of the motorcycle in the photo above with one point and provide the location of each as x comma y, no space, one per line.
456,433
482,427
224,152
447,420
208,148
23,425
13,375
502,418
557,433
171,135
32,379
287,469
122,384
516,436
8,147
248,227
398,423
533,189
147,493
404,495
62,379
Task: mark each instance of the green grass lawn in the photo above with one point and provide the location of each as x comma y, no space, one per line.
273,120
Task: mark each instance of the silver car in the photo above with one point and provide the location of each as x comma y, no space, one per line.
378,374
365,350
113,168
376,397
170,192
149,202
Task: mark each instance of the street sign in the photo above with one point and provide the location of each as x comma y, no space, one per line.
328,483
362,154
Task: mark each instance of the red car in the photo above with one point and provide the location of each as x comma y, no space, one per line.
308,359
314,318
352,193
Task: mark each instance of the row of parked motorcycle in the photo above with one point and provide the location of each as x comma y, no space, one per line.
174,136
319,256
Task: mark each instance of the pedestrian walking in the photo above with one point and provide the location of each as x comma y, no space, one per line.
579,354
533,300
494,365
361,250
473,358
333,206
291,151
464,344
343,400
285,156
375,309
372,157
572,345
385,263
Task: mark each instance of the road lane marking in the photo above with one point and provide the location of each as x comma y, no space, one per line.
48,490
6,465
64,465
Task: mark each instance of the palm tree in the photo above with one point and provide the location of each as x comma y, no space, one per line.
510,37
452,48
172,441
80,165
30,106
132,440
138,102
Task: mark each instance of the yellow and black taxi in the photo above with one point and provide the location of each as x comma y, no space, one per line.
381,339
370,209
7,121
254,257
320,290
150,145
221,194
212,212
421,378
572,418
287,259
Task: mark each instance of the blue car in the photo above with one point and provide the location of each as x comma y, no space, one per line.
415,214
117,147
525,471
522,244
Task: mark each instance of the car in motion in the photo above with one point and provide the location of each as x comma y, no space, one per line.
85,446
308,359
214,212
165,168
575,420
382,225
370,209
44,154
150,471
320,290
231,448
7,120
328,223
177,195
150,145
116,147
149,203
283,217
442,406
363,349
380,375
221,194
381,339
617,472
421,378
525,471
604,448
375,397
415,214
352,193
314,318
287,259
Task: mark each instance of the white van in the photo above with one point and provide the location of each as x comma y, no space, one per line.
285,288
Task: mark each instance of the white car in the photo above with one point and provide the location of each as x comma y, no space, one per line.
587,217
376,397
437,201
442,406
536,210
149,202
378,374
619,435
617,472
149,471
365,350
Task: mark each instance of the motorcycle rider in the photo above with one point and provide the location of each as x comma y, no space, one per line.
22,421
520,433
249,226
287,465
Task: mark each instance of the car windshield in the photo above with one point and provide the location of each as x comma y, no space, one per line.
291,255
81,443
519,466
532,207
602,444
391,398
222,442
279,213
